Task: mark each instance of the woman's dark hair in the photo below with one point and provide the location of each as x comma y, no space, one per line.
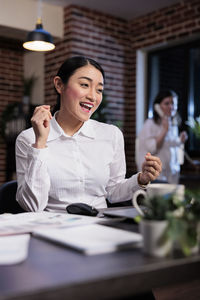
69,67
158,99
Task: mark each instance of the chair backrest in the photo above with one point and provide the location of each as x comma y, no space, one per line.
8,203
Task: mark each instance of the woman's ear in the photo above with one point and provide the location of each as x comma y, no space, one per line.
58,84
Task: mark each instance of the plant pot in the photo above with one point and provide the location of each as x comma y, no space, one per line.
155,241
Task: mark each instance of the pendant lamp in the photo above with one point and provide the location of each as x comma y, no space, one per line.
39,39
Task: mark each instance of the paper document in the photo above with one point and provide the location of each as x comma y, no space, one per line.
13,249
28,222
91,239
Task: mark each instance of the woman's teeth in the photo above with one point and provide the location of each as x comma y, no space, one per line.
86,105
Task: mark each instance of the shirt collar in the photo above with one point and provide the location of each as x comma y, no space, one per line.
56,131
87,129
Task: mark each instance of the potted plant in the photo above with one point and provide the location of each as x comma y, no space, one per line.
169,224
184,224
194,124
13,118
153,225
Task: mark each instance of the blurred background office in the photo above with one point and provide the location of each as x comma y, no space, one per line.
152,45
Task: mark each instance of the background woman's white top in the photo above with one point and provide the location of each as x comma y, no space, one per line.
168,153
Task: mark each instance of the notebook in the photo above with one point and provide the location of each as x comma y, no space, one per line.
91,239
125,212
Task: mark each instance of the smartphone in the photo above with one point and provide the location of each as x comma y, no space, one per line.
159,111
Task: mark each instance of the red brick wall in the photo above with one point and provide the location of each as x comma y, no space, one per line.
165,25
11,72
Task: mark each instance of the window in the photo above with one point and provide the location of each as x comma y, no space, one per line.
178,68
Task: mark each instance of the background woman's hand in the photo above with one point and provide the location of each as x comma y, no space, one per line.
183,136
151,169
41,125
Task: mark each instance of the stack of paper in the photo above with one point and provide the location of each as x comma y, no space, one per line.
13,249
92,238
28,222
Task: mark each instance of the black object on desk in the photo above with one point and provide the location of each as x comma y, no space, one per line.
81,209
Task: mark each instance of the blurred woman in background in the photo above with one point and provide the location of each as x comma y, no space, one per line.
160,136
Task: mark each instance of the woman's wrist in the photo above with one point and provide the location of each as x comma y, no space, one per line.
39,145
142,183
40,142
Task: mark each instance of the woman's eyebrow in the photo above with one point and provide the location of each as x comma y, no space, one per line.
87,78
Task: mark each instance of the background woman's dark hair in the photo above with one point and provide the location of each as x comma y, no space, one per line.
158,99
69,67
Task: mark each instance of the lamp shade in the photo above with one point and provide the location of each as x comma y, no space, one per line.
39,39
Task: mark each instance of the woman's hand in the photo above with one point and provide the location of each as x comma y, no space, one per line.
41,125
151,169
183,136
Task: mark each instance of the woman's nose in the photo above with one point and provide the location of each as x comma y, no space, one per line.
91,95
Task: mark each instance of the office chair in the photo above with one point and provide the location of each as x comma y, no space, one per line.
8,203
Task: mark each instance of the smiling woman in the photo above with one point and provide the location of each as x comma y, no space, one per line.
67,157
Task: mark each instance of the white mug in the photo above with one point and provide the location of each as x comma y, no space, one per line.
158,189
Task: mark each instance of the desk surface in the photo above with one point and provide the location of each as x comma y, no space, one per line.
55,272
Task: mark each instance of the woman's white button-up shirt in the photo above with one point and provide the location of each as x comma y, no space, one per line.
87,167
